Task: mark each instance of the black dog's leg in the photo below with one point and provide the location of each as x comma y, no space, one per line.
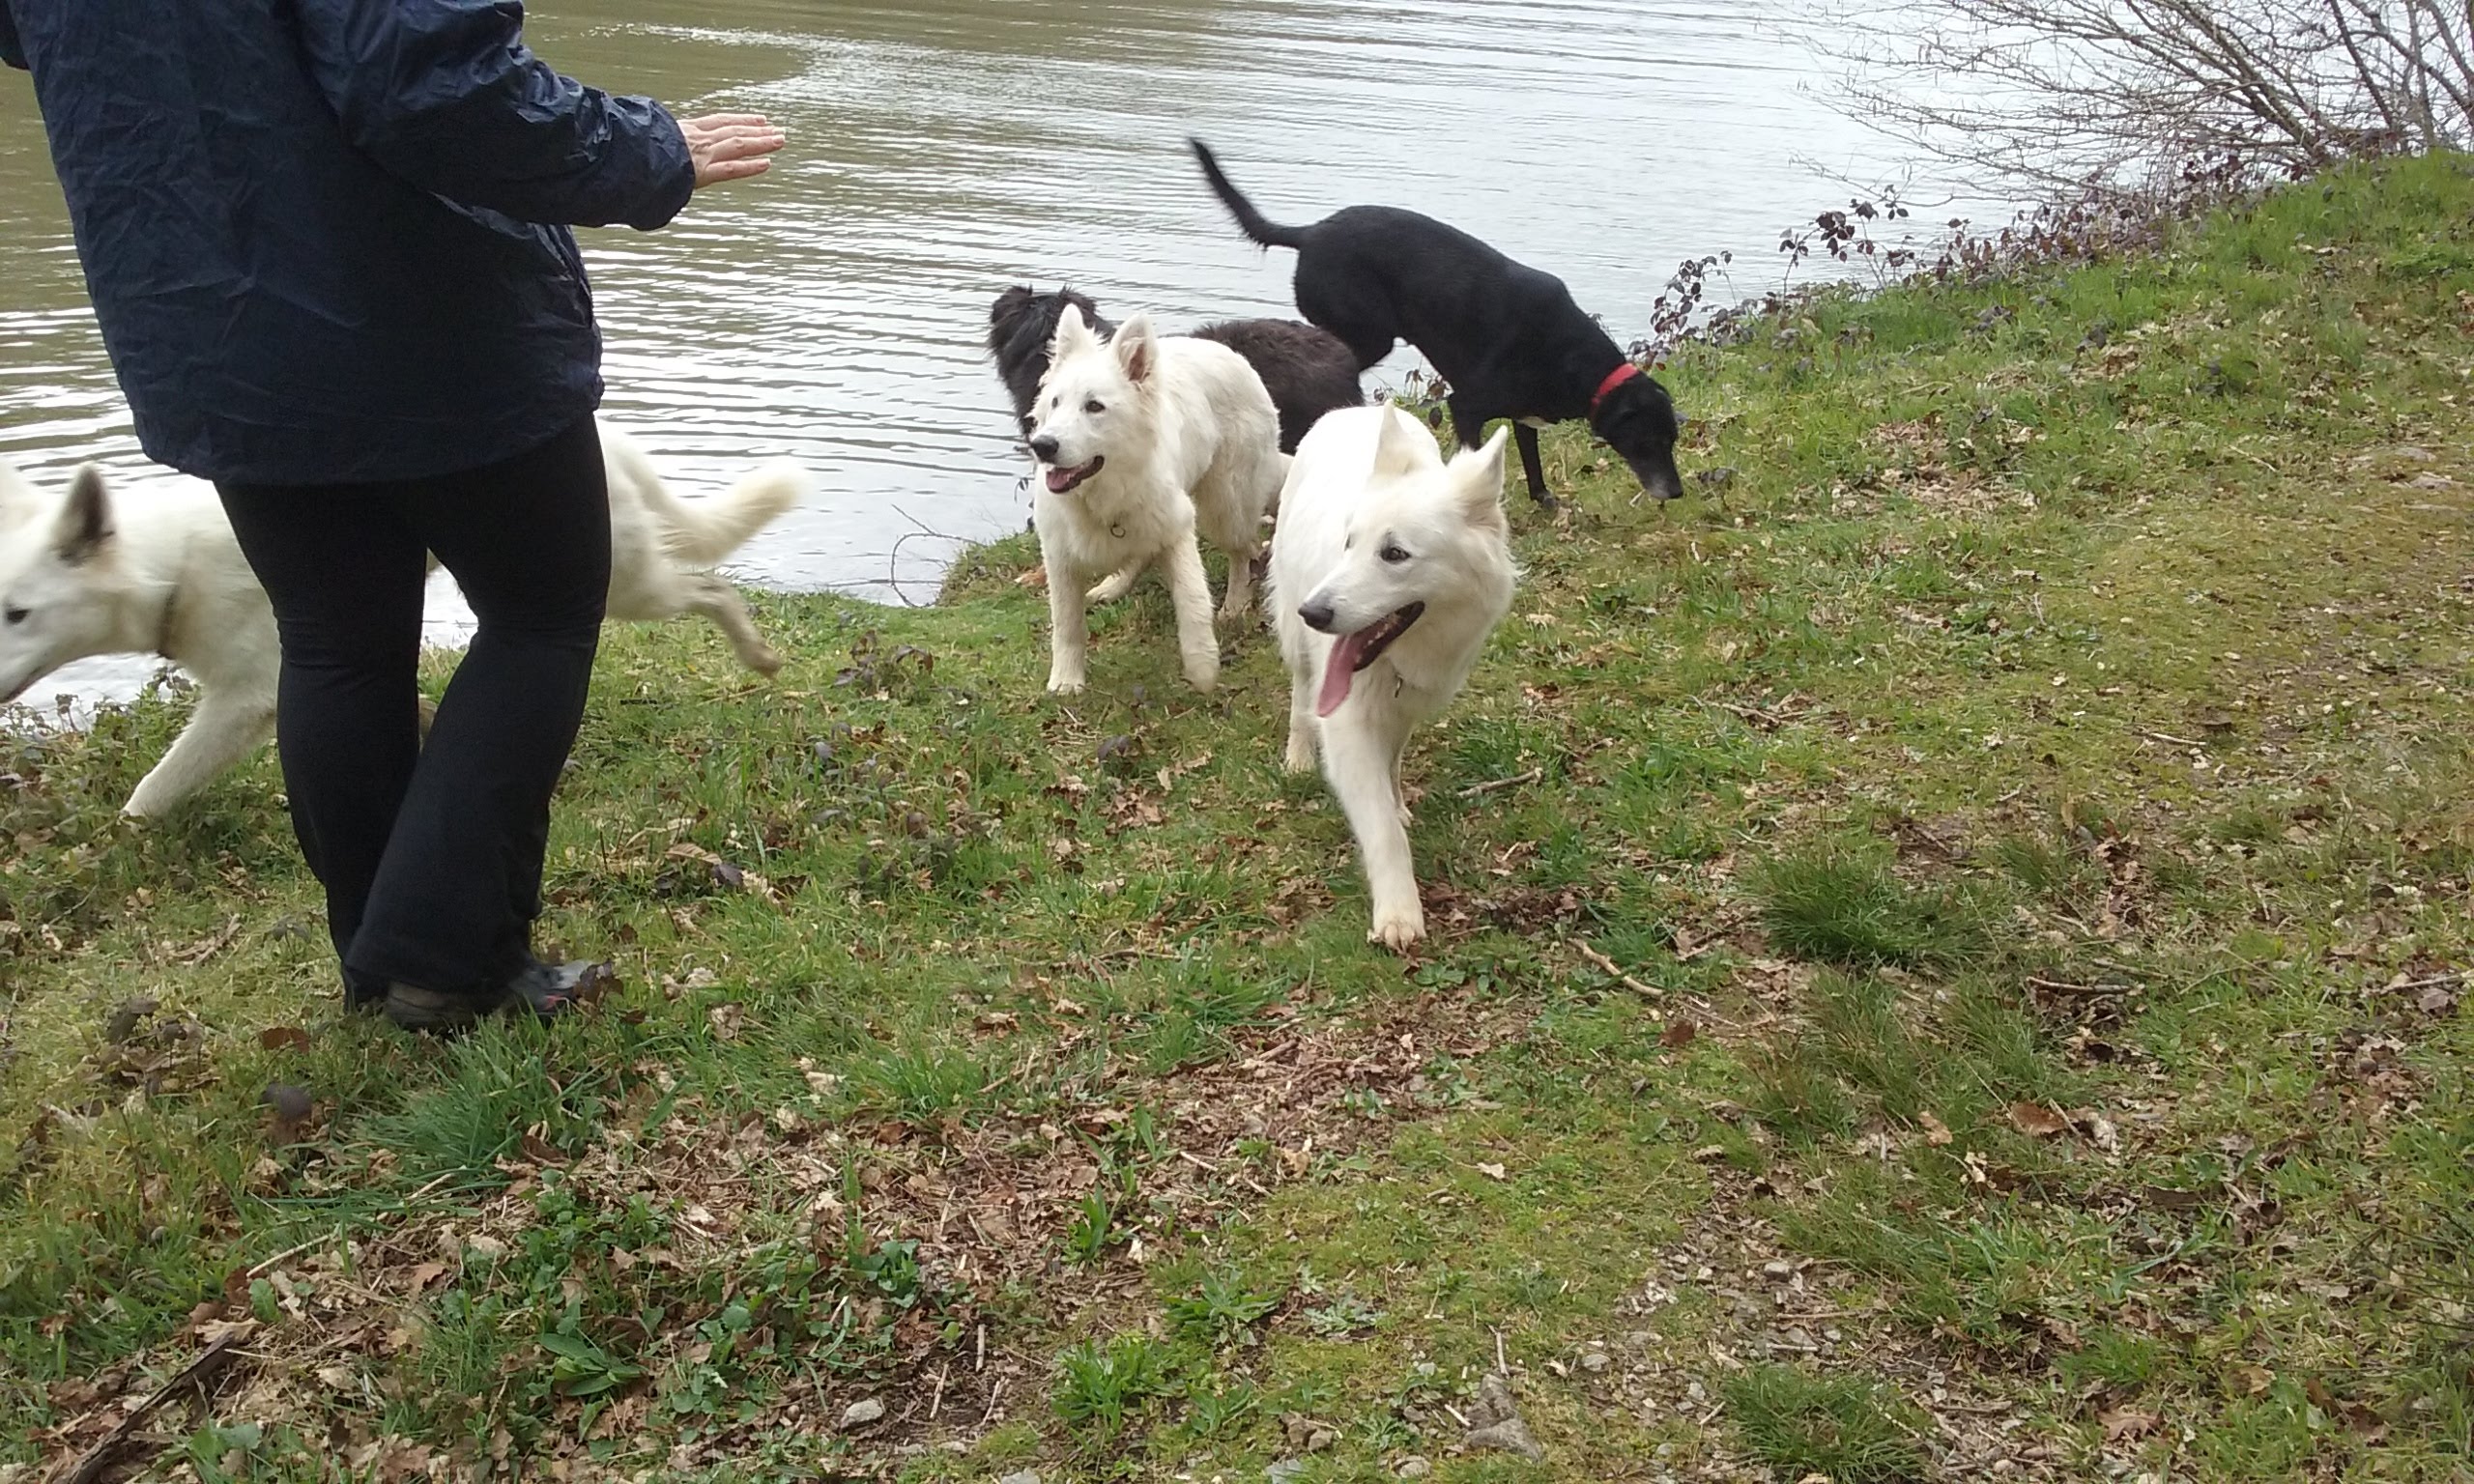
1526,436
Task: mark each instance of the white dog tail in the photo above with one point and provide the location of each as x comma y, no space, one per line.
703,531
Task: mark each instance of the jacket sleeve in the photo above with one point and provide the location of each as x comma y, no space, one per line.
445,94
13,51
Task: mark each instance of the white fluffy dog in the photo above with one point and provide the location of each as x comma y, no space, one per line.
1139,441
88,572
1389,569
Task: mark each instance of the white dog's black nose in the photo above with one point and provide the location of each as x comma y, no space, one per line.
1317,615
1043,450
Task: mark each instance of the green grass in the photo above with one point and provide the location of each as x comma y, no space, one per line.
1952,961
1843,1430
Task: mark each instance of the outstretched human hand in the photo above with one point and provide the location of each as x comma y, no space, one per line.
729,146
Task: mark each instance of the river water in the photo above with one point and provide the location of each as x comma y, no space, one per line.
833,311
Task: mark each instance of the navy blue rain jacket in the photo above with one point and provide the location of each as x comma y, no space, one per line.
327,240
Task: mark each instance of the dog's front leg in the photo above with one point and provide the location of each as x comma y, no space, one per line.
1303,677
226,727
1069,638
1533,465
1191,592
1362,761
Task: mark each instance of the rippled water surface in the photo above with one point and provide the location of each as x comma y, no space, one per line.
833,311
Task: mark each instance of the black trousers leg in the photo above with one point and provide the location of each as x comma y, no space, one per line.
448,900
345,579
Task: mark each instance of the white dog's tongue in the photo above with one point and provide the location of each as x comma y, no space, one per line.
1339,667
1060,480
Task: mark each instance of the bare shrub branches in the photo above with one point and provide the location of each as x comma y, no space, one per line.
2090,93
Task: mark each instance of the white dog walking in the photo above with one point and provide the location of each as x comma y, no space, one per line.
158,571
1389,569
1139,439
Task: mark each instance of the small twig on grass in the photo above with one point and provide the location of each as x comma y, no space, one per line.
260,1268
936,1402
1491,784
2059,988
196,1373
211,946
2166,736
994,1392
2452,977
1608,967
1766,720
1501,1369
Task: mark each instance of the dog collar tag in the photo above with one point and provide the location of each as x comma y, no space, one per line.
1116,529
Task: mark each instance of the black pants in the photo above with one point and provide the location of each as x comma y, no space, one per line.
431,856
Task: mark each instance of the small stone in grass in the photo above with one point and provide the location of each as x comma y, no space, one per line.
861,1413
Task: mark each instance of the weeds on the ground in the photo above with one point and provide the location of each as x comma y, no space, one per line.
1969,913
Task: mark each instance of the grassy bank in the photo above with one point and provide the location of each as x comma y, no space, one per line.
1950,961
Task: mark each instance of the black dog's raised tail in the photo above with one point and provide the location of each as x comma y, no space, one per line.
1253,223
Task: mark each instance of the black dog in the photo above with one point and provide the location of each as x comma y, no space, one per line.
1308,372
1508,338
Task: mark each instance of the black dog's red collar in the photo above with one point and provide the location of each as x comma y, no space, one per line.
1614,378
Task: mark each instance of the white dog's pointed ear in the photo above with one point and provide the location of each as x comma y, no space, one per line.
1071,335
1402,446
1477,477
1137,349
85,522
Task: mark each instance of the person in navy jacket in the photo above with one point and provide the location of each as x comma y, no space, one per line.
327,244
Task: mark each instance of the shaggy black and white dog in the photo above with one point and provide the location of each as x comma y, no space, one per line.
1308,371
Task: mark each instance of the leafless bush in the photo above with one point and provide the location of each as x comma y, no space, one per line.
2082,94
2080,225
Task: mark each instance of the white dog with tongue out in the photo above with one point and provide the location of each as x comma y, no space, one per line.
1139,439
1390,567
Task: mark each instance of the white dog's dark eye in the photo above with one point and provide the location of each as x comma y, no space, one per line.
16,614
1391,553
1093,406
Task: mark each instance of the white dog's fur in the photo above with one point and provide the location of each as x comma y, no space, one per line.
1184,435
1372,521
88,571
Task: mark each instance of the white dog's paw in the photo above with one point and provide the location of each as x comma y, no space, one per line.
1396,927
1301,755
1231,616
1065,685
136,813
1111,588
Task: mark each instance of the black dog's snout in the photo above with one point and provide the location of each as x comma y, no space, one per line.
1043,450
1317,617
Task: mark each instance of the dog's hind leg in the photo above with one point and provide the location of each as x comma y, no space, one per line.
1116,585
225,729
1363,769
714,598
1189,591
1241,586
